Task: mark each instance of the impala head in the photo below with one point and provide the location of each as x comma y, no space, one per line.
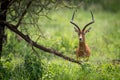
81,33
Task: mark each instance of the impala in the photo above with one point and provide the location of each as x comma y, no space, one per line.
82,51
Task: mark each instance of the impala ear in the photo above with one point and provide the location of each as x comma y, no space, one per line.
88,30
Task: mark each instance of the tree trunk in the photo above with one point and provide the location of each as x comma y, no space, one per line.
3,10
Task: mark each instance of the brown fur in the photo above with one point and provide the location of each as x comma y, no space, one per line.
83,51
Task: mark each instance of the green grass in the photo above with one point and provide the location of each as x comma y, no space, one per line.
103,40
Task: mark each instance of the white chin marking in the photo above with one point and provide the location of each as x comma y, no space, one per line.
81,40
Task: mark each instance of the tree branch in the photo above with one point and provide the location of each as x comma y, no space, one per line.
40,47
23,14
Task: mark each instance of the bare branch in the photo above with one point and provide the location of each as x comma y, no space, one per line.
23,14
40,47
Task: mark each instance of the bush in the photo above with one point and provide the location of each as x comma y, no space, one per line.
33,67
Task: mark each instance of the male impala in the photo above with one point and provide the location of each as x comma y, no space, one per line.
83,50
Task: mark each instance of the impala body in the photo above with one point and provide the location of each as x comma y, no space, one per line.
83,50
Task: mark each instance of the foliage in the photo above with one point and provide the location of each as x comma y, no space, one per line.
107,5
84,72
33,66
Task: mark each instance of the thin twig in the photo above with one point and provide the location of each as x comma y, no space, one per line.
23,14
35,51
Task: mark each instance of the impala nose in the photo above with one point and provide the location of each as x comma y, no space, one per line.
81,39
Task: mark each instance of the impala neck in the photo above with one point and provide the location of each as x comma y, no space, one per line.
82,46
